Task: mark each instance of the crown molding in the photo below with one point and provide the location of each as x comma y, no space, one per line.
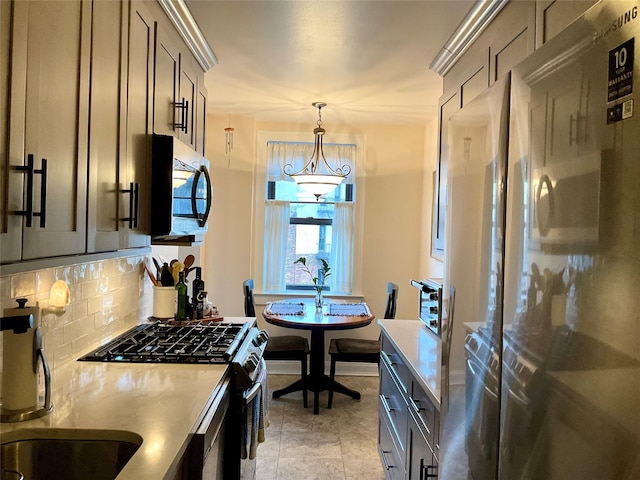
478,18
181,17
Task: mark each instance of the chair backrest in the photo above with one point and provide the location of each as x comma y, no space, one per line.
392,296
249,306
449,330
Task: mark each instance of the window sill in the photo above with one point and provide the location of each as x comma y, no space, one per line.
264,298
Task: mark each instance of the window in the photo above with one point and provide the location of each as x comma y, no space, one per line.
298,225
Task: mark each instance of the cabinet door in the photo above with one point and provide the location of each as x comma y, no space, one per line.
201,119
167,77
188,94
139,124
56,76
107,125
391,456
11,181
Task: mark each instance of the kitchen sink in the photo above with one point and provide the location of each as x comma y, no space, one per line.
70,454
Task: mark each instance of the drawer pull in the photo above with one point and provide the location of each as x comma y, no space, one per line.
417,408
414,404
393,371
385,404
387,358
387,467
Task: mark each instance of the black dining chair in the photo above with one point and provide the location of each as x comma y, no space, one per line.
446,349
281,347
358,349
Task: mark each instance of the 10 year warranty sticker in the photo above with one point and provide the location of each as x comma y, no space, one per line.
620,82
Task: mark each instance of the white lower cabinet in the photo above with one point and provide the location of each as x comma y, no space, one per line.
408,437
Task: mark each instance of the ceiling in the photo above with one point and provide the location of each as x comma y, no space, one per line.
368,60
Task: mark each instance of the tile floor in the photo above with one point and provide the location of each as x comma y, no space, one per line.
338,444
341,443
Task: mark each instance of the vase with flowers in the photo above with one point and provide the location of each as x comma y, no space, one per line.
318,280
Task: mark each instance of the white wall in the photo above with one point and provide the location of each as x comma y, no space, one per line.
397,166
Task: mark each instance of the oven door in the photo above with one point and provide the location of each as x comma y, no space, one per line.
518,431
483,418
206,450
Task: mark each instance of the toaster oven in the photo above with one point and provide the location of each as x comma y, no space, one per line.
430,306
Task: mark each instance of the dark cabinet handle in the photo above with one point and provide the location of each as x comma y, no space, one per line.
134,194
385,404
387,466
43,193
30,171
427,471
184,115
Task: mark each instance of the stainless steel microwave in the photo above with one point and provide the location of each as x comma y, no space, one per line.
566,199
181,192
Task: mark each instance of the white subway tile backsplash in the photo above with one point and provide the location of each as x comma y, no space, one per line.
23,285
107,297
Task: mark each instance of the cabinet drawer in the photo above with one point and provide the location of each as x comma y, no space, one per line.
424,411
393,405
396,364
421,462
390,456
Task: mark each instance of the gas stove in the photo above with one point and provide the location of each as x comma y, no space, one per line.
198,343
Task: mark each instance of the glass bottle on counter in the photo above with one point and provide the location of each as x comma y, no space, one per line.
198,288
181,307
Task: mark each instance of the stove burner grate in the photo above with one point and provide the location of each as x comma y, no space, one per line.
159,343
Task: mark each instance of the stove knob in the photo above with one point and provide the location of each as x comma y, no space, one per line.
252,362
263,336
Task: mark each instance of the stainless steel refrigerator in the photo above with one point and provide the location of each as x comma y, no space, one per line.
544,252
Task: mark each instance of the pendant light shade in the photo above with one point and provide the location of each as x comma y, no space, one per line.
317,177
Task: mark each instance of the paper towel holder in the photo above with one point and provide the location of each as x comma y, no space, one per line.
20,325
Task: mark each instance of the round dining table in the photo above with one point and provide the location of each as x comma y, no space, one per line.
305,317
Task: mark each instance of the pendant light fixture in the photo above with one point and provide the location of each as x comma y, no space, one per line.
317,177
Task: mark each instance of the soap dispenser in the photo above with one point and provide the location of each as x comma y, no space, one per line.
21,353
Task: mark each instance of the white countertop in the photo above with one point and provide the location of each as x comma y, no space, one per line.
612,394
420,349
163,403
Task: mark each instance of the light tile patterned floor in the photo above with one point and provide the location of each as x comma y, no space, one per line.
338,444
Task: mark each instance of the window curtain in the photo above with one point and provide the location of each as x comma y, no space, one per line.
342,248
275,249
297,154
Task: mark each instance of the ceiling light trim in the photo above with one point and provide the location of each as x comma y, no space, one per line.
181,17
478,18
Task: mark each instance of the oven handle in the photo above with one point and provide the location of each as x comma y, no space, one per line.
490,392
518,399
250,394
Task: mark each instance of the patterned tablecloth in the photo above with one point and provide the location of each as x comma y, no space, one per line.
349,309
286,308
